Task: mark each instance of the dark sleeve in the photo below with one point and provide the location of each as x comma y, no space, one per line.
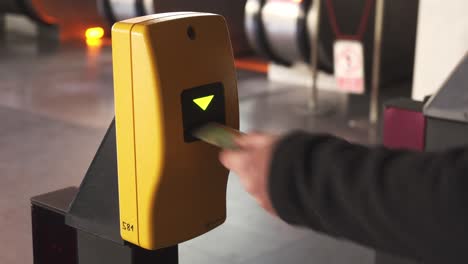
407,203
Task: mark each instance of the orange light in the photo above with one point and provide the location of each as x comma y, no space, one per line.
94,33
252,65
93,42
297,1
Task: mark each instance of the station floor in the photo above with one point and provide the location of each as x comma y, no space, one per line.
55,108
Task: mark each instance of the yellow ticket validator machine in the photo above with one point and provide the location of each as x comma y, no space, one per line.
173,72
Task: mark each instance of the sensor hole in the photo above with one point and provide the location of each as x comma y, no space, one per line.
191,33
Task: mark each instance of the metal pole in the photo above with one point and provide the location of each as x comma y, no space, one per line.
314,41
374,100
2,27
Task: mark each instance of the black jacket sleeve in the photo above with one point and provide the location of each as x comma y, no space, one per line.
407,203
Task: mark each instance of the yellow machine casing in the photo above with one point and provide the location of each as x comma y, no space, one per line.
172,73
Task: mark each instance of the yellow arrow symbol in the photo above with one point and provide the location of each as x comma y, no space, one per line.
204,102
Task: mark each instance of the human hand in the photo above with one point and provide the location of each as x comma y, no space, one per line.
251,163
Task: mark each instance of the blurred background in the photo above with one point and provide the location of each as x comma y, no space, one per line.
56,100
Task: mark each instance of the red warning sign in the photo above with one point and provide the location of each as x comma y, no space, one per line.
349,66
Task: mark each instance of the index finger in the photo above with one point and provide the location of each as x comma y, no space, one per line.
250,140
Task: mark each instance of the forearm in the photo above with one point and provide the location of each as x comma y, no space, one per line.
404,202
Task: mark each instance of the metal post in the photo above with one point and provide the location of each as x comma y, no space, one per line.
313,106
48,38
374,97
2,27
314,23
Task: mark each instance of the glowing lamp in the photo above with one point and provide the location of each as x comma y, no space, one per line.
94,33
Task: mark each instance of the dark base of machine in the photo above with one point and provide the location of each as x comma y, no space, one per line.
445,134
53,241
95,209
94,250
81,226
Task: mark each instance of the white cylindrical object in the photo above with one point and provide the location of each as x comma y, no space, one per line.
148,7
281,30
254,28
285,29
123,9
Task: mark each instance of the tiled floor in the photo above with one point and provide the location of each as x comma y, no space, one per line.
55,108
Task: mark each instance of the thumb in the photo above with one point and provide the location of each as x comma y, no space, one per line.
232,160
